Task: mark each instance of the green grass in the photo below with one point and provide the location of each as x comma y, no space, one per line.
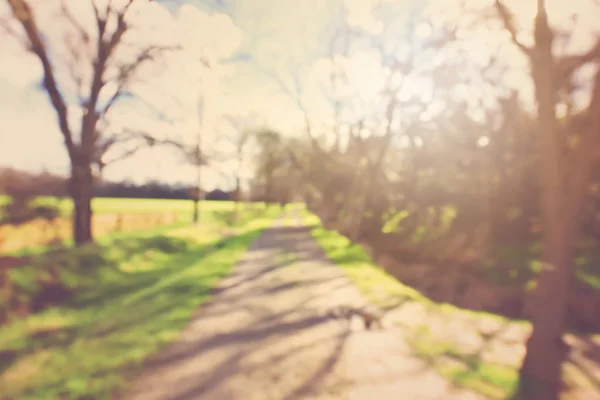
439,332
494,381
378,287
139,293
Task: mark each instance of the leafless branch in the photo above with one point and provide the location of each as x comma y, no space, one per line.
119,31
508,20
5,26
127,71
106,48
101,21
584,155
566,66
83,34
140,139
296,97
74,65
22,12
118,94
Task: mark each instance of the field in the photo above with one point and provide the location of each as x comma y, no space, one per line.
111,215
106,205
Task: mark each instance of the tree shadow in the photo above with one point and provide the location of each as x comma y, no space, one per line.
242,342
119,311
319,375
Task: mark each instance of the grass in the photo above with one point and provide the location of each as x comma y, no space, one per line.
108,205
475,350
139,293
375,284
463,368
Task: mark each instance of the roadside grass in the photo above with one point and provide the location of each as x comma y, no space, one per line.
135,295
463,367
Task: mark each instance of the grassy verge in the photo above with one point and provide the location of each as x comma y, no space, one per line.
135,293
456,355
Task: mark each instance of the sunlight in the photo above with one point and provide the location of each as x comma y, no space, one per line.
483,141
174,84
486,41
439,141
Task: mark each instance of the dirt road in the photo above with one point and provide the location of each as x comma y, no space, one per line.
268,335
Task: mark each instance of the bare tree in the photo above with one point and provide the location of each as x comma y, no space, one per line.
567,157
240,140
268,161
90,65
198,160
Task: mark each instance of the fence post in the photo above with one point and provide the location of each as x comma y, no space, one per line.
119,223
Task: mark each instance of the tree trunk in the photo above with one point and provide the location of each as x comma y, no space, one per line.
540,375
268,190
196,211
81,193
237,198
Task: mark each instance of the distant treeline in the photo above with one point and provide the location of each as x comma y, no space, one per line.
14,182
151,190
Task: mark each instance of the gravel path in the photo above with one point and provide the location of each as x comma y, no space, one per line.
267,335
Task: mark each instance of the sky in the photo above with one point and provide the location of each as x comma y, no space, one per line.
257,50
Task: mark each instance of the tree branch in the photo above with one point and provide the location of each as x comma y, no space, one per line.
101,21
74,66
584,157
104,51
119,31
144,140
509,24
5,26
566,66
22,12
295,97
126,72
85,37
